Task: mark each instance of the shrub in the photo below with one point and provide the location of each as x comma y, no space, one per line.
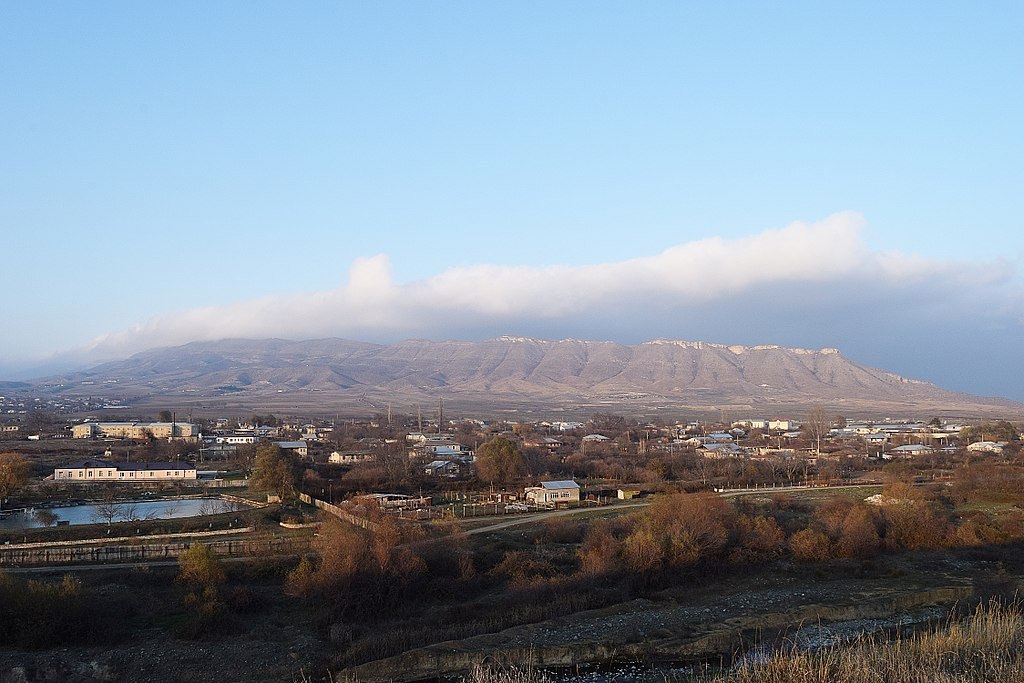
810,546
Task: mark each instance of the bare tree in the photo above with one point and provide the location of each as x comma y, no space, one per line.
46,517
172,508
108,510
130,512
817,425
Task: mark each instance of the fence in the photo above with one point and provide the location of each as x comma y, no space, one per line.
10,557
223,483
338,512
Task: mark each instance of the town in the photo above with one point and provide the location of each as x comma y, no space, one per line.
407,454
507,511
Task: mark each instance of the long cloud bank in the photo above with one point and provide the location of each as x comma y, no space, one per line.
766,286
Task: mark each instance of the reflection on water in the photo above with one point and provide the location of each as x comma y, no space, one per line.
118,512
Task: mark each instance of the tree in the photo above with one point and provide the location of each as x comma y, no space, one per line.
989,431
202,574
599,552
274,471
46,517
166,416
199,567
678,531
14,473
808,545
130,512
267,420
759,538
108,510
817,425
39,420
500,460
859,536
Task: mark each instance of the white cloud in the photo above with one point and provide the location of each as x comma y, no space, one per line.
825,260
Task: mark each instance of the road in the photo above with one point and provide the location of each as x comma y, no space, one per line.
527,518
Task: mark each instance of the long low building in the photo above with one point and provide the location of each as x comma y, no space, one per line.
138,472
136,430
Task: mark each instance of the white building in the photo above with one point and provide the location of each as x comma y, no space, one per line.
237,439
183,431
339,458
553,492
299,448
133,472
987,447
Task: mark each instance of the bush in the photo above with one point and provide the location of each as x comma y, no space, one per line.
810,546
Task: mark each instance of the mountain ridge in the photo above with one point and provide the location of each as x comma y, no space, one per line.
516,371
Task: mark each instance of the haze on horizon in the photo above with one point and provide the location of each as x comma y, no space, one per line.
817,175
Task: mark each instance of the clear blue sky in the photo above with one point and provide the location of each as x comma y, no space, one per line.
159,157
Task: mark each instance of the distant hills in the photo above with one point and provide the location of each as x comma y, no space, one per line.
513,374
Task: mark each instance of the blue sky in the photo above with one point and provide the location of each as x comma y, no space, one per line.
176,171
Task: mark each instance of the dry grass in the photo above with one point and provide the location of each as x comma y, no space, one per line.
986,646
494,673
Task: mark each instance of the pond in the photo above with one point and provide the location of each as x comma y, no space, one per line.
120,511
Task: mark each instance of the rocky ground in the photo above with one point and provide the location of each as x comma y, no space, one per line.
713,622
278,654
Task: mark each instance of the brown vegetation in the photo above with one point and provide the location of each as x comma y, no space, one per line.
14,473
986,646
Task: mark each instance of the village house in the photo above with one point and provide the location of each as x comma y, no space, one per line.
550,443
450,469
720,450
437,448
987,447
553,492
299,448
350,458
907,451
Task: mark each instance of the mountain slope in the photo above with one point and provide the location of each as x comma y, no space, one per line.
514,372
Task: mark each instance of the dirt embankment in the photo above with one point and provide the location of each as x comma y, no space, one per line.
678,625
